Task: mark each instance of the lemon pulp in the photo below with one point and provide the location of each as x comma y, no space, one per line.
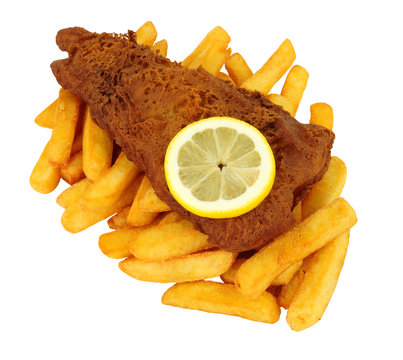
219,167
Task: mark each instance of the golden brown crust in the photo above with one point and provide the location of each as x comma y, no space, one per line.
144,100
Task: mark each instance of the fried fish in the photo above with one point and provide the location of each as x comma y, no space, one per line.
144,100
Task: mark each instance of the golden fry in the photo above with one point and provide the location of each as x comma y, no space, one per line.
170,218
271,72
238,69
322,114
289,290
281,101
47,117
67,115
97,148
258,272
225,76
322,270
73,171
229,276
149,200
163,242
44,177
74,193
203,265
327,189
78,217
294,86
286,276
297,212
77,144
116,244
137,216
106,189
119,221
220,298
160,48
215,57
218,33
146,34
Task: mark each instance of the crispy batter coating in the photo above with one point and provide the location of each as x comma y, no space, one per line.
144,100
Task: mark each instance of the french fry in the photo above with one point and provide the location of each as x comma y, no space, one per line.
218,33
74,193
67,115
116,244
294,86
163,242
44,177
149,200
289,290
322,270
238,69
220,298
258,272
225,76
327,189
281,101
108,187
77,144
322,114
297,212
119,221
73,171
229,276
137,216
271,72
215,57
160,48
287,274
97,148
146,34
203,265
78,217
47,117
171,217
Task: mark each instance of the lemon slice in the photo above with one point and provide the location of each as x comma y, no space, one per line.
219,167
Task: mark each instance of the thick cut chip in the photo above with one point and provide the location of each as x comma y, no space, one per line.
327,189
170,218
97,148
146,34
294,86
149,200
73,172
160,48
74,193
47,117
64,129
163,242
289,290
44,177
321,272
108,187
78,217
238,69
271,72
216,56
281,101
218,33
203,265
258,272
219,298
322,114
119,220
137,216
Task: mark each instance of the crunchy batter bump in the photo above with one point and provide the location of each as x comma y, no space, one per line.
144,100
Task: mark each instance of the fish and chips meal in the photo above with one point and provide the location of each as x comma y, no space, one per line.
201,173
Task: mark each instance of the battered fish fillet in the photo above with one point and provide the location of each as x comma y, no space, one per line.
144,100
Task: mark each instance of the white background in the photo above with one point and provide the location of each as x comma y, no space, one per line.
62,299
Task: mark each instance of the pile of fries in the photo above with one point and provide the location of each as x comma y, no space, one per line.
297,271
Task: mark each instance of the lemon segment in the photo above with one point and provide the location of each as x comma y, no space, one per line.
219,167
